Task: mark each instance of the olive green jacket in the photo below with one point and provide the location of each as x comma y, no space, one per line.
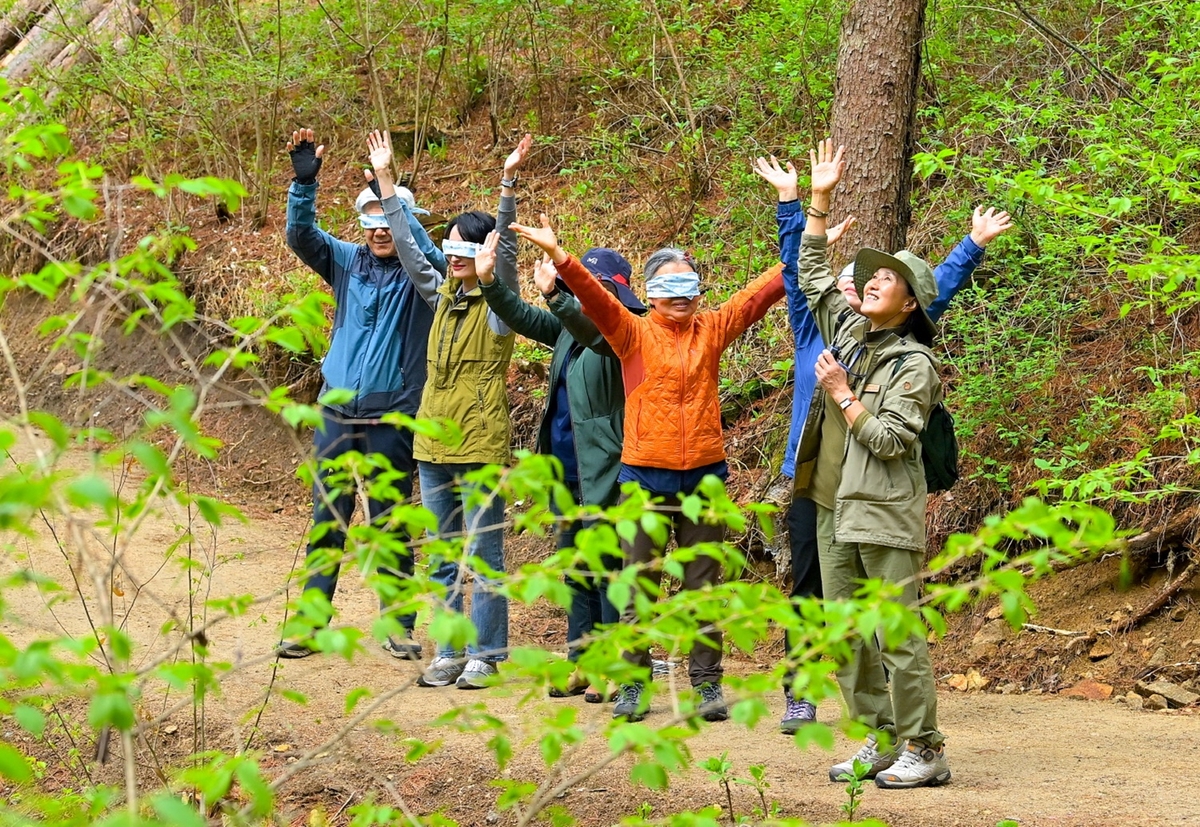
879,495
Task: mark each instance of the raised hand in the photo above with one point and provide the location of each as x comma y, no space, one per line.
827,166
543,237
379,144
372,182
985,226
831,376
306,156
782,179
485,258
834,234
545,276
517,156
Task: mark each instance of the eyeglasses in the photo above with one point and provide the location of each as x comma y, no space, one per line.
836,353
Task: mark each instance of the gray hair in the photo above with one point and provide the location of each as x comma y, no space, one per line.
668,255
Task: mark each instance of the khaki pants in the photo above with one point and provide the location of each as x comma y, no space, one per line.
704,663
911,708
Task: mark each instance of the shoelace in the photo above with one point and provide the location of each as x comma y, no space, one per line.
910,759
799,708
629,694
710,694
477,665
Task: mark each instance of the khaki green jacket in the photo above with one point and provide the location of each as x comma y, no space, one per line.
467,380
879,495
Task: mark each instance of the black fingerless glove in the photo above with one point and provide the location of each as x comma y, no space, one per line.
374,185
305,162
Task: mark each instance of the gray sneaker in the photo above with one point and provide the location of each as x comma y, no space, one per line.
629,703
796,713
712,702
479,674
876,761
404,648
918,766
442,672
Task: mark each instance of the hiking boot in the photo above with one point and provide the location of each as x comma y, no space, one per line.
875,760
918,766
294,649
712,702
629,702
404,648
796,713
442,672
576,685
479,674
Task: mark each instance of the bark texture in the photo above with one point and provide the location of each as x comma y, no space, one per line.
874,112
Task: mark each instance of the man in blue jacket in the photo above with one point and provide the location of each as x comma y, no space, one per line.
377,350
951,275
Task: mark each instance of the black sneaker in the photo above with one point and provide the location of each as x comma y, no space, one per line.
712,702
629,703
294,649
796,714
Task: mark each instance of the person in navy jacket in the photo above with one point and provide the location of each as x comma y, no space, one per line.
377,350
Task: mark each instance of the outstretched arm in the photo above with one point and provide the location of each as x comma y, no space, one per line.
425,275
617,324
522,317
568,310
315,247
816,278
953,273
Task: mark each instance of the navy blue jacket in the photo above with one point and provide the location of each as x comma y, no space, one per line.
381,322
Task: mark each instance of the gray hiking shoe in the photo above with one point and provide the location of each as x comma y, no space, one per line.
629,703
796,713
294,649
876,761
917,766
712,702
479,674
442,672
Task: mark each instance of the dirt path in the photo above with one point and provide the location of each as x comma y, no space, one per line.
1039,760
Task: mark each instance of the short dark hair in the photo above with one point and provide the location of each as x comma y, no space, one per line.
473,226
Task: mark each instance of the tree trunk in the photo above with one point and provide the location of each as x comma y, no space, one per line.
874,112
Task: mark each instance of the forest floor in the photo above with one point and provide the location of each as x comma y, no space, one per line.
1032,756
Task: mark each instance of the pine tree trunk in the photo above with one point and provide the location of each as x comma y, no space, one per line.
57,28
874,111
19,20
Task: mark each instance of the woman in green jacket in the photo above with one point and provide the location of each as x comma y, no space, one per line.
470,348
860,461
583,423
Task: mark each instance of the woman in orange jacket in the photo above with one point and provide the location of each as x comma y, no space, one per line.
670,360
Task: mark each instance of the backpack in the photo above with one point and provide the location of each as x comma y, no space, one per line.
939,445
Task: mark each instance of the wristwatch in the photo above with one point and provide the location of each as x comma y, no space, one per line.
511,183
551,294
848,401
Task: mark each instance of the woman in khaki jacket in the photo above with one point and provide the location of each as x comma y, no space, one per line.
860,461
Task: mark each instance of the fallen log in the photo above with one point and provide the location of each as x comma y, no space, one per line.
50,36
17,22
1139,617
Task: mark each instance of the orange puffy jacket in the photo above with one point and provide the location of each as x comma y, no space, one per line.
672,413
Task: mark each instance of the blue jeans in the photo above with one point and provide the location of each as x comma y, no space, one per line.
589,593
481,522
337,507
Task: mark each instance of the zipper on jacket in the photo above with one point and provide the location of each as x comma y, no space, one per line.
682,398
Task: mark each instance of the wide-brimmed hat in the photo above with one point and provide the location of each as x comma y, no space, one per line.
909,267
614,269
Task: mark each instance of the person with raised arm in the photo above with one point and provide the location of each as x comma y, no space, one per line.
377,350
673,437
951,275
583,423
859,460
470,348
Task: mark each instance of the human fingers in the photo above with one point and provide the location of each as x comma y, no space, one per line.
320,150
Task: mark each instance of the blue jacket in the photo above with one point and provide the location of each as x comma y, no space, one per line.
952,274
380,324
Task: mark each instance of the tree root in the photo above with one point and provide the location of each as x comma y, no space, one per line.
1162,599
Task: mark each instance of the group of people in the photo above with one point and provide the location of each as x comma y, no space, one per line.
633,397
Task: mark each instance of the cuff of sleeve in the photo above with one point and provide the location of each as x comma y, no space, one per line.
974,250
508,202
818,241
860,423
303,189
786,208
